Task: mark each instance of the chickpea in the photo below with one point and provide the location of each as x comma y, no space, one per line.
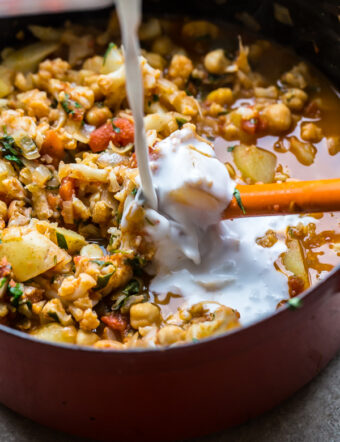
86,338
295,99
91,251
222,96
156,61
162,45
304,152
170,334
333,144
97,116
296,77
150,29
311,132
216,62
144,314
200,28
278,117
266,92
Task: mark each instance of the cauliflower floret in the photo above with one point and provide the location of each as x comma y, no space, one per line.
73,288
35,103
54,311
180,69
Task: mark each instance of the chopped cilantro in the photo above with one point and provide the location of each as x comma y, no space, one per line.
180,122
132,288
294,303
2,282
115,128
231,148
110,46
102,281
54,316
118,217
9,150
16,293
68,105
61,240
101,263
134,191
136,263
239,201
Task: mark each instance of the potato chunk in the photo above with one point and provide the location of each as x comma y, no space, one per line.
293,260
27,58
56,333
255,164
30,254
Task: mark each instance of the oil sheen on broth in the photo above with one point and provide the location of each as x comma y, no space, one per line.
199,257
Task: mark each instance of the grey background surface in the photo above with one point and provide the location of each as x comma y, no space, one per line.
311,415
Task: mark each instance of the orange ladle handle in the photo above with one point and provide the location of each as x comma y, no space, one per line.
285,198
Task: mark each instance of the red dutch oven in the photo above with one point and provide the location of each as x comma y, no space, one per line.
193,389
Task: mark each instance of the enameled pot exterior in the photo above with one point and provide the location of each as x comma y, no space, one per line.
200,388
175,393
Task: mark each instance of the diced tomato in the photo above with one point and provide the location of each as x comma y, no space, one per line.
115,321
53,145
124,131
5,267
119,130
53,200
296,285
67,188
253,125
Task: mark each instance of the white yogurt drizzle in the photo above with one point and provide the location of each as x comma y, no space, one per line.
198,256
129,13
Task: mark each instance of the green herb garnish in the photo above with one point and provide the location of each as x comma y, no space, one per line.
180,122
294,303
132,288
101,263
2,282
225,112
54,316
61,240
102,281
115,128
16,293
155,97
137,263
239,201
231,148
110,46
134,191
69,105
9,151
190,94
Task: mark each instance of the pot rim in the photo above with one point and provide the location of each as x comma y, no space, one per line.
307,294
